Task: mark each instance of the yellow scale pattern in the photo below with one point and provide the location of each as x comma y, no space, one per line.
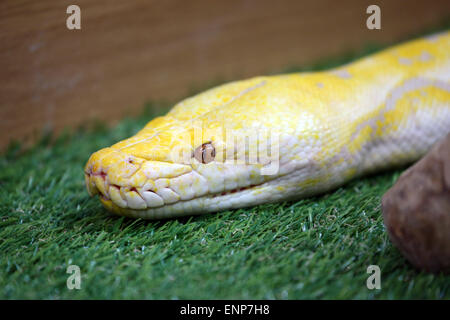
380,111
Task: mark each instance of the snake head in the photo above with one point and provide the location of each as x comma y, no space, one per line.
211,152
191,170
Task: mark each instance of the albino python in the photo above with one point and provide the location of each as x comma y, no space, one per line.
282,137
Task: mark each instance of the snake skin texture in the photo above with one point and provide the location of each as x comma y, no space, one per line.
278,138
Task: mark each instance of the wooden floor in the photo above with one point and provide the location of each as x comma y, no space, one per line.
129,52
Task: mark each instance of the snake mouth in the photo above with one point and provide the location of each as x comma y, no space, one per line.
131,197
155,194
135,186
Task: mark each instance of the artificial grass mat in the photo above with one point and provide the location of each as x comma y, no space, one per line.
314,248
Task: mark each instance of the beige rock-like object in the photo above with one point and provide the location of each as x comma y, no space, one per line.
416,211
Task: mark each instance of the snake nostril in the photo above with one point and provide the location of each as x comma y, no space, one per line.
90,184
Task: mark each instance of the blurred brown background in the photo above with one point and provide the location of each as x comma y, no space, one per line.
130,52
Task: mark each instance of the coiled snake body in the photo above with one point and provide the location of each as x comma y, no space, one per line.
283,137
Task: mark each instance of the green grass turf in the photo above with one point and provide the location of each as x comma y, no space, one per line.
314,248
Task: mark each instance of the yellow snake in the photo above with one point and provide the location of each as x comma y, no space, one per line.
281,137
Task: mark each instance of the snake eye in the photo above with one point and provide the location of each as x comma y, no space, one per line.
205,153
